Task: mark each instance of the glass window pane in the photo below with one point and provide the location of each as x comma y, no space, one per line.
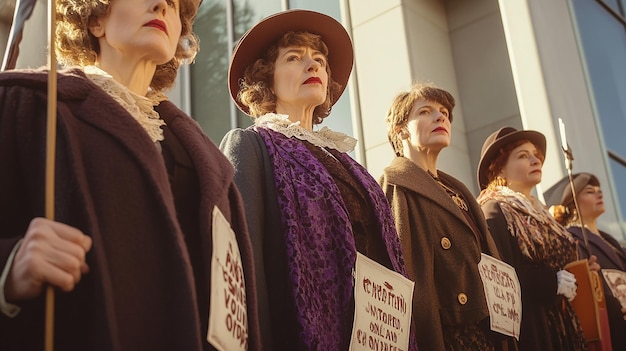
614,4
604,45
247,14
210,99
619,174
209,89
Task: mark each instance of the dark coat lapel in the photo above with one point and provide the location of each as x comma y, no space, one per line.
592,239
407,174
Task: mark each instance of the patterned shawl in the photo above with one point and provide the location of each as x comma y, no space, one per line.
321,251
539,236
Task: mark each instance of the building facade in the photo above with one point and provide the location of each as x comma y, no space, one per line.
519,63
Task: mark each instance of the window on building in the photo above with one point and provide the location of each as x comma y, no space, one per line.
603,38
616,5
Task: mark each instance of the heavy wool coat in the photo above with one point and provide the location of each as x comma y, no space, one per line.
441,250
144,291
539,286
255,175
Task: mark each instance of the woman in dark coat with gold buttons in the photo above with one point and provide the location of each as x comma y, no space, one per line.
441,227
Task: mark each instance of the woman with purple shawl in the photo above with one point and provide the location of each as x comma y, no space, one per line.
310,207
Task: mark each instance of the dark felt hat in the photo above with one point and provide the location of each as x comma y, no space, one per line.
581,180
256,41
561,192
499,139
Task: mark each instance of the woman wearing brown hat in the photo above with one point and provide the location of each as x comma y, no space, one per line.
529,239
602,245
441,228
310,207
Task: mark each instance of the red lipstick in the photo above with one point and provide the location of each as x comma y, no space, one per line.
313,80
158,24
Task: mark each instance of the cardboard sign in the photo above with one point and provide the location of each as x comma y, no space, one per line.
616,280
504,295
228,317
383,302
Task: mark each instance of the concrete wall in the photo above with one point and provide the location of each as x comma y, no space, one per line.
455,44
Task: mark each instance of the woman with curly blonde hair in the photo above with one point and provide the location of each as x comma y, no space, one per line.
76,45
146,208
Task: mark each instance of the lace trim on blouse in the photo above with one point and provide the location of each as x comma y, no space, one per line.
140,107
322,138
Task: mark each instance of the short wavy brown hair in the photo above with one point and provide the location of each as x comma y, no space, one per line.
76,46
501,159
255,92
400,109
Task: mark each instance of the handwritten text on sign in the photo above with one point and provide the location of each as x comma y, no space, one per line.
383,304
228,317
504,296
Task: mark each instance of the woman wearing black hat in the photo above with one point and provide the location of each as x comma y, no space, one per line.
529,239
442,230
602,245
310,207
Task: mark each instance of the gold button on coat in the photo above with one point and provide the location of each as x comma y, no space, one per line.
445,243
462,298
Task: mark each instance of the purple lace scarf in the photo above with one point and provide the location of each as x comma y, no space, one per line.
321,252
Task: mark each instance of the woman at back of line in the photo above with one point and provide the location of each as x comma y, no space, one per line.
602,245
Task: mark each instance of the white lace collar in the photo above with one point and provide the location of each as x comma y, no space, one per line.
140,107
322,138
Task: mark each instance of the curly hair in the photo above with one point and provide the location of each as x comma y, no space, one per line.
258,79
498,163
76,46
565,213
398,114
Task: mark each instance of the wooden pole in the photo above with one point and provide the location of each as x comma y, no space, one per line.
50,158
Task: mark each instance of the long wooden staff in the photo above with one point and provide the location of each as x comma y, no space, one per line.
596,299
51,127
23,11
569,157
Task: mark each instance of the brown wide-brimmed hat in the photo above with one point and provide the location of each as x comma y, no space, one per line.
499,139
256,41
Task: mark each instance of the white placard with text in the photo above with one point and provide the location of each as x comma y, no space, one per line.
383,302
504,295
228,316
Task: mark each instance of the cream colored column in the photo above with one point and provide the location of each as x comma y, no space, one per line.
530,84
